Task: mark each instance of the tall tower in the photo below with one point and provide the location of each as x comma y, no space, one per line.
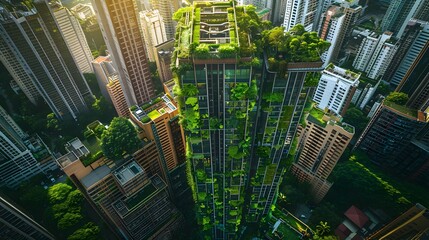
74,37
166,9
332,24
237,139
42,53
417,46
153,29
400,12
20,156
321,143
17,225
335,89
375,54
412,224
122,34
300,12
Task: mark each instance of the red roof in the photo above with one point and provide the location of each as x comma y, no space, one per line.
342,231
355,215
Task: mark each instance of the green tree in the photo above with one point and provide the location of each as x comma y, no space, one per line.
52,122
74,199
58,192
355,117
397,97
383,89
69,220
322,229
89,231
119,139
325,211
102,50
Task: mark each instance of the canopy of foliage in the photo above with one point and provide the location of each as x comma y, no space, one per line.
119,139
397,97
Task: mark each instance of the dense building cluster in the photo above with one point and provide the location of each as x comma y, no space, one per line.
221,104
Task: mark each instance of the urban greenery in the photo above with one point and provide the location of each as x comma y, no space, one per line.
119,139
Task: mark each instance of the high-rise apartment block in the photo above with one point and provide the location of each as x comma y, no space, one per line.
412,224
21,156
122,34
331,26
19,226
415,83
129,194
108,81
235,152
336,89
159,122
300,12
418,38
391,128
375,54
400,12
163,54
39,50
321,143
73,36
335,24
153,30
166,9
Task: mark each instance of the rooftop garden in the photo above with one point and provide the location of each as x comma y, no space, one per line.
397,101
215,30
316,117
92,141
297,45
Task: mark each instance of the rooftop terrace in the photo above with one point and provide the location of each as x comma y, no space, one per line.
153,109
345,74
127,172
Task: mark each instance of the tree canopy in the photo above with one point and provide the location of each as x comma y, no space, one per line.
89,231
58,192
119,139
397,97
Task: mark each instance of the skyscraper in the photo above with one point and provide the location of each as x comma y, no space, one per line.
400,12
73,36
375,54
236,148
39,50
108,81
163,54
417,46
300,12
18,226
330,29
335,89
122,34
166,9
412,224
390,130
153,29
21,156
321,143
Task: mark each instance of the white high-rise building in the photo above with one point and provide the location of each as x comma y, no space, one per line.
21,157
335,89
300,12
153,29
375,54
73,35
330,29
167,8
83,11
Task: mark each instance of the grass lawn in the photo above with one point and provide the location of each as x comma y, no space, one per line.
93,144
285,231
154,114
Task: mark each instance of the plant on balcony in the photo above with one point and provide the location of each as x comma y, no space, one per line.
273,97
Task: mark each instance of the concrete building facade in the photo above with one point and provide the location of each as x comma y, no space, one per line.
320,145
300,12
73,36
336,89
122,34
153,30
39,47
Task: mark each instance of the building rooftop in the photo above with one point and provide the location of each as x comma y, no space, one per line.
321,118
342,73
401,109
153,109
355,215
127,172
95,176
